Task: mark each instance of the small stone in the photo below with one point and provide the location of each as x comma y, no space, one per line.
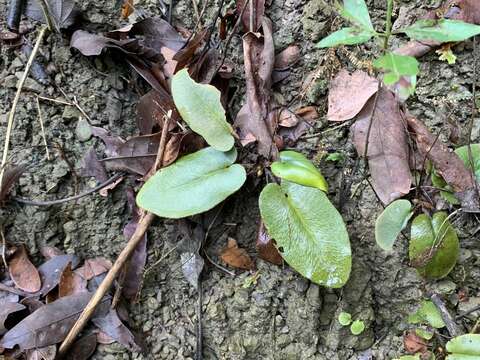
70,113
152,304
147,326
83,130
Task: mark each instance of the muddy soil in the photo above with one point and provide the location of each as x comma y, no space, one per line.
282,316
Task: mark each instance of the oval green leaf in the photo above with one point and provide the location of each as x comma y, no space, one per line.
357,327
391,222
193,184
295,167
356,11
309,232
427,314
434,246
344,318
346,36
465,345
396,66
444,30
200,107
462,152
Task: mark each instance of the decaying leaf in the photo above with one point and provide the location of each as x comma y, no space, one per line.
63,12
256,120
94,267
236,256
111,325
192,266
93,167
43,353
258,12
283,61
265,247
23,272
6,309
52,270
127,9
349,93
10,177
71,283
388,155
414,343
49,324
83,348
152,109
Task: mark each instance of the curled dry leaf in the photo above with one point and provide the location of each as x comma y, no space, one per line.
71,283
258,12
83,348
152,109
388,155
255,120
414,343
52,270
349,93
236,257
94,267
49,324
265,247
283,61
6,309
23,272
93,167
111,325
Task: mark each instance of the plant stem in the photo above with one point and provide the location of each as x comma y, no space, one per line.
388,24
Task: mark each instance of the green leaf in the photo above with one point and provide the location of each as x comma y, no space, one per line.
391,222
446,54
309,232
427,314
444,30
438,182
396,66
346,36
462,152
200,107
434,246
335,157
464,347
344,318
424,333
295,167
193,184
356,11
357,327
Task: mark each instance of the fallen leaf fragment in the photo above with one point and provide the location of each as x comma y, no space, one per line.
265,247
49,252
111,325
414,343
127,8
10,176
51,271
64,13
6,309
23,272
83,348
94,267
71,283
43,353
258,12
49,324
388,154
349,93
236,257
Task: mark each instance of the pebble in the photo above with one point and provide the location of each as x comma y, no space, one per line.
83,130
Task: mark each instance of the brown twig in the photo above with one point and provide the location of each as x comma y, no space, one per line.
11,115
4,249
145,220
71,198
40,118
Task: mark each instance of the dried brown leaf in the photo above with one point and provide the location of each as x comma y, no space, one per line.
10,176
6,309
414,343
93,267
349,93
49,324
23,272
63,12
71,283
127,9
49,252
152,109
258,11
388,154
51,271
256,120
83,348
236,257
93,167
111,325
43,353
266,248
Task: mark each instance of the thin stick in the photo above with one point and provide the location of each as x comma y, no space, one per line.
40,118
143,224
71,198
4,249
11,115
55,100
195,10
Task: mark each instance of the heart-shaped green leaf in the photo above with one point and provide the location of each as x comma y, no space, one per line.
356,11
344,318
200,107
444,30
357,327
427,314
193,184
309,232
464,347
391,222
462,152
434,246
396,66
295,167
346,36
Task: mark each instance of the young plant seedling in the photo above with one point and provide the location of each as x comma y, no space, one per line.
391,222
344,318
357,327
427,314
